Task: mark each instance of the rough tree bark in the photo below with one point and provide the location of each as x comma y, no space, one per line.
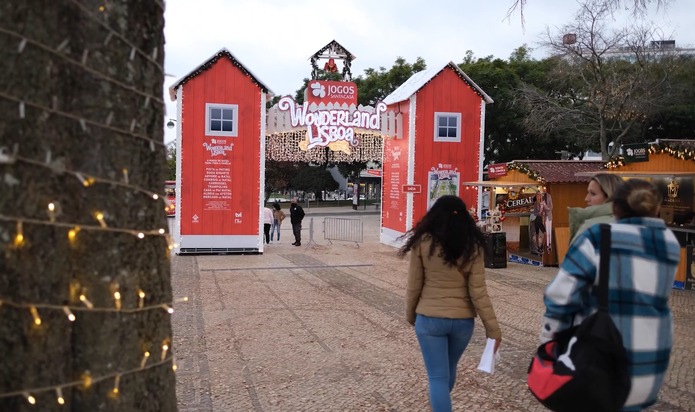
81,127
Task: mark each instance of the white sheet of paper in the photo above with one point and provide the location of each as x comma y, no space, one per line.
489,357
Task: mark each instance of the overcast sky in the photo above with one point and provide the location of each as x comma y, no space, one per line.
275,38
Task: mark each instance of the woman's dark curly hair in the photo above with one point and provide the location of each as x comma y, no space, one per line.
451,227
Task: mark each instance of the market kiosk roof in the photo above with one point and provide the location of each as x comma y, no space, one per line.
499,183
545,171
563,171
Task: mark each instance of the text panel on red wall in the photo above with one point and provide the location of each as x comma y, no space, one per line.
395,175
220,159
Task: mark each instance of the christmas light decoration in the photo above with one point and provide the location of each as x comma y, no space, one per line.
87,381
524,168
679,151
88,307
285,147
47,213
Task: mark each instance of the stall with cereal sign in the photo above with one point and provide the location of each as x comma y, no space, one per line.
532,197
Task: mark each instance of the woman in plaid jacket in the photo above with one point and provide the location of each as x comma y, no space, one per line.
644,258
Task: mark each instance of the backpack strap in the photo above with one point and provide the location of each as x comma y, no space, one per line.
604,267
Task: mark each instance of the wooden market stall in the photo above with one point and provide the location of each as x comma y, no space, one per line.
512,188
670,165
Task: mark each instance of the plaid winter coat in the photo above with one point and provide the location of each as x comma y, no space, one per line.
644,258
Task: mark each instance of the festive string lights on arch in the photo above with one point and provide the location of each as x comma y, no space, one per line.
523,168
678,151
285,147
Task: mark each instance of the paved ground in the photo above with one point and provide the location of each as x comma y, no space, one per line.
321,328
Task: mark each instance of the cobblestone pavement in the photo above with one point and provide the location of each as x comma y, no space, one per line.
321,328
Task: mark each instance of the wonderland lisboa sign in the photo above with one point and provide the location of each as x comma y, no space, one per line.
332,125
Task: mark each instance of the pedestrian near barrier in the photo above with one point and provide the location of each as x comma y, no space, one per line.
296,217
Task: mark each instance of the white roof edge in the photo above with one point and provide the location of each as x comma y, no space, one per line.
173,87
419,79
487,98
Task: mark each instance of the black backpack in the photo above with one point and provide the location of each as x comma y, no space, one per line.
585,368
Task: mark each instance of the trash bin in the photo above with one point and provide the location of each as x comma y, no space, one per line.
496,256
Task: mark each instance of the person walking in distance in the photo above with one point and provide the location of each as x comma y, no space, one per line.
446,290
278,217
296,216
267,222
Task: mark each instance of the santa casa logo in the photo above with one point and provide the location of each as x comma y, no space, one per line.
325,91
317,90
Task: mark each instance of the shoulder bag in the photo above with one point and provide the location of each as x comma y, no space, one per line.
585,368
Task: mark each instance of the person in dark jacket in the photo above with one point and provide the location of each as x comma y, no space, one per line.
296,216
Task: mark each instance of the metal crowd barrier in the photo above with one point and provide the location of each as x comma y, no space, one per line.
342,229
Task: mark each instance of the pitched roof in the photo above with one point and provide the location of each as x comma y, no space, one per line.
420,79
561,171
223,53
334,45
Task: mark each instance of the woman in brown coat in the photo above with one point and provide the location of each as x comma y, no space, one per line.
446,290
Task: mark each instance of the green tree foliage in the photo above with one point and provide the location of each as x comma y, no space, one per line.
375,85
171,162
676,120
278,175
351,170
314,179
272,102
506,138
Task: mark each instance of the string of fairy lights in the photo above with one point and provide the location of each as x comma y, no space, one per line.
124,299
524,168
285,147
678,151
87,380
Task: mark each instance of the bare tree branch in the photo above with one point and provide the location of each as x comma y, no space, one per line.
606,81
638,7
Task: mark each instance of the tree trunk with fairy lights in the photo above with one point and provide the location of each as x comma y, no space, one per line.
85,290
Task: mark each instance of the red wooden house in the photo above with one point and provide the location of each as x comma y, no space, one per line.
433,141
220,156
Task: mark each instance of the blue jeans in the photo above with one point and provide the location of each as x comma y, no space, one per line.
442,342
275,226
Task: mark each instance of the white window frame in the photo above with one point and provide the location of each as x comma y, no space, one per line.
455,139
235,119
